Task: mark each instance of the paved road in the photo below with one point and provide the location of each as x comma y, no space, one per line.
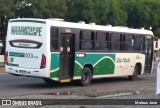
34,88
19,85
11,86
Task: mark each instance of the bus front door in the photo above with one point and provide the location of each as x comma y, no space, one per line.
149,55
67,53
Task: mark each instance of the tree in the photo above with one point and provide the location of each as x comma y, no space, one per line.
154,14
80,10
133,8
6,13
116,16
23,9
101,10
131,13
142,13
157,32
48,8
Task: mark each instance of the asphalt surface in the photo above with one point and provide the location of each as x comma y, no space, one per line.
21,87
11,86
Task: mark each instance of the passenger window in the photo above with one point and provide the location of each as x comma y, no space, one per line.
86,40
101,42
128,42
139,43
115,41
54,39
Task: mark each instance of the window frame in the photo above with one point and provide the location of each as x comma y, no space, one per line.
54,39
92,36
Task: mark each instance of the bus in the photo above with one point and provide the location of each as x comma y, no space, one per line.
61,51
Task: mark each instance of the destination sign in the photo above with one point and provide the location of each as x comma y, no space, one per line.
26,30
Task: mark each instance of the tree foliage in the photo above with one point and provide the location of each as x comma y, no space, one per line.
6,13
80,10
131,13
48,8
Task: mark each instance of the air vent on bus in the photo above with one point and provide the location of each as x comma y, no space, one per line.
82,22
121,26
109,25
56,19
92,23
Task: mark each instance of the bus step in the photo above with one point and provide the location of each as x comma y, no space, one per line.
65,80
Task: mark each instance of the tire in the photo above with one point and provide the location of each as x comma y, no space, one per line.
86,76
135,74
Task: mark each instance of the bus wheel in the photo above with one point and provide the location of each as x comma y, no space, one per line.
86,76
135,74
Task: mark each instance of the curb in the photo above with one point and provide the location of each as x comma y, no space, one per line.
114,95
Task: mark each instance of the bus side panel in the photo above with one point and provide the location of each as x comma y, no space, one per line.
103,64
126,62
54,68
108,65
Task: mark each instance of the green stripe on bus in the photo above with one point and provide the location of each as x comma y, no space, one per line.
54,74
1,62
103,64
16,54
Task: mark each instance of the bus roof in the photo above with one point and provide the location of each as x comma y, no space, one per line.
92,26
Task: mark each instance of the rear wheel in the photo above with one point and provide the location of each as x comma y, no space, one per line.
135,74
86,76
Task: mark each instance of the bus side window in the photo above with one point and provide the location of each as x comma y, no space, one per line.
115,41
101,41
139,43
54,39
128,42
86,40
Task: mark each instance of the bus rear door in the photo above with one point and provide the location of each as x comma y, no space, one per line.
67,57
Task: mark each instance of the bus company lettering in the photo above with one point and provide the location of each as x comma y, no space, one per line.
26,30
123,60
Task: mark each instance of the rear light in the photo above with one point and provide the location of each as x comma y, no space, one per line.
6,58
43,61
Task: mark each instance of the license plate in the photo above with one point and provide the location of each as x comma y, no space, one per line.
22,71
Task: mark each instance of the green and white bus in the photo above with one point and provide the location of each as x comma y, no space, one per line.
56,50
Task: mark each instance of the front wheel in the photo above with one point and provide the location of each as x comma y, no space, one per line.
135,74
86,76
